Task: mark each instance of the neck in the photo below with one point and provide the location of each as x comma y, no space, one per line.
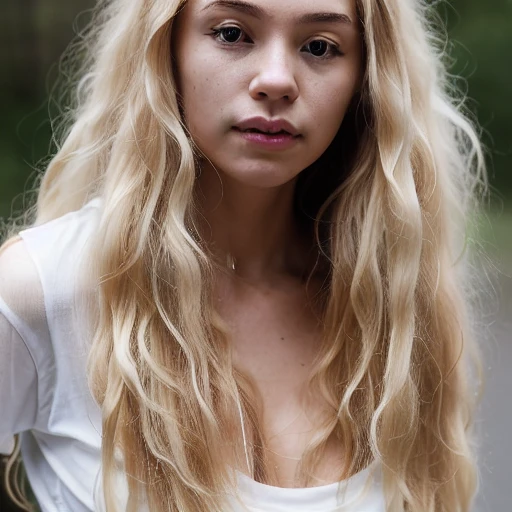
253,230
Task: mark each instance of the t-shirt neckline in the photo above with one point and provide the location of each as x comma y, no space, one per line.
320,498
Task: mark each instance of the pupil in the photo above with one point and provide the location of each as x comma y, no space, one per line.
318,48
231,34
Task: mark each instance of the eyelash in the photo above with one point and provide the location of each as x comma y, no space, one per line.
333,49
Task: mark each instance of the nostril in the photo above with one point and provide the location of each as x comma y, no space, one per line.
265,95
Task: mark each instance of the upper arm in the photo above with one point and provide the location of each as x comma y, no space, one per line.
20,285
22,322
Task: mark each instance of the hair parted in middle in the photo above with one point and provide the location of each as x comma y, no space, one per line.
383,204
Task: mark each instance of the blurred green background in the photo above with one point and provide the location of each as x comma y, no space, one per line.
34,33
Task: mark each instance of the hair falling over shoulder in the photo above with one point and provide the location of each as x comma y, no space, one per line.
395,363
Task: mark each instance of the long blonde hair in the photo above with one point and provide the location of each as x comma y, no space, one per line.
389,220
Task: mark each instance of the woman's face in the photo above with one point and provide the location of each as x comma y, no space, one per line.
265,83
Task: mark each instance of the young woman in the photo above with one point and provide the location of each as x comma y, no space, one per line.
241,287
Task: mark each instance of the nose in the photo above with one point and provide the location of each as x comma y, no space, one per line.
274,78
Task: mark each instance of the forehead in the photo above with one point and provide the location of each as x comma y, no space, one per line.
284,10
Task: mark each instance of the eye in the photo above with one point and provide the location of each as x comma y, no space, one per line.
228,35
322,49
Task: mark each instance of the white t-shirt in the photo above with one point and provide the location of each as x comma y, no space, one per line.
45,398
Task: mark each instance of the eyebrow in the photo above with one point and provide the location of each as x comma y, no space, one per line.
259,13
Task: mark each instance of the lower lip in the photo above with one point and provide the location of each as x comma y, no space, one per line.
269,141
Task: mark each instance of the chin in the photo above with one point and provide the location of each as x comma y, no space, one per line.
261,178
258,173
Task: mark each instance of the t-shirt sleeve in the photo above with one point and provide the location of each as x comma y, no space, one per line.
23,326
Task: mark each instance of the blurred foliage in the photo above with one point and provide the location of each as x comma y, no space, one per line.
481,35
33,35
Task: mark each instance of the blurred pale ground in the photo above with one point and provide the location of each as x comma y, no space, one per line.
33,33
495,415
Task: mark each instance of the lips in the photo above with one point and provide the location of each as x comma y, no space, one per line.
266,126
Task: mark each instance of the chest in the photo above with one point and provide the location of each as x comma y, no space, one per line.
275,338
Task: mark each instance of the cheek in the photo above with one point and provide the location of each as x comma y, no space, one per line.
333,103
203,94
329,113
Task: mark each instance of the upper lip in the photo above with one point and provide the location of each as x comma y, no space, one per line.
267,125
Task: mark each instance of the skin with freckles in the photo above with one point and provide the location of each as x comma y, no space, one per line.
284,61
246,70
234,65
